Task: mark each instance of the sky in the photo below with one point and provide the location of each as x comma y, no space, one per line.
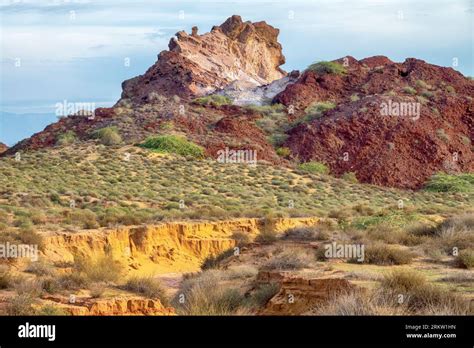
76,50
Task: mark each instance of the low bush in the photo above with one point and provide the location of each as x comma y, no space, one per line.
409,90
380,254
97,290
173,144
314,167
21,304
102,268
465,259
242,238
263,293
317,109
108,136
203,294
73,281
313,233
350,177
325,67
214,261
420,297
149,287
66,138
40,268
213,99
287,261
5,277
51,310
442,182
283,152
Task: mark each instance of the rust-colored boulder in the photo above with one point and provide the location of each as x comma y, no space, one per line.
298,295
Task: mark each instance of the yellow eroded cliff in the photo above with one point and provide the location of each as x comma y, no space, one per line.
162,248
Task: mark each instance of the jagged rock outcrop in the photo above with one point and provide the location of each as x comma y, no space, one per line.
196,65
3,147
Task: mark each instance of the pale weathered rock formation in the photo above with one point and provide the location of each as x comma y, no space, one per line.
245,93
197,65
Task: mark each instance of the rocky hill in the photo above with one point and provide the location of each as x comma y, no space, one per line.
385,123
3,147
393,124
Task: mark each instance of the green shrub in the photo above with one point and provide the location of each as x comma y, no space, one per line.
441,133
83,218
21,305
283,152
267,233
40,268
215,261
287,261
66,138
263,294
354,97
213,99
442,182
422,84
102,268
380,254
350,177
313,233
403,280
328,68
317,109
51,310
314,167
31,237
465,258
5,277
203,294
409,90
149,287
419,296
173,144
97,290
450,89
73,281
108,136
242,238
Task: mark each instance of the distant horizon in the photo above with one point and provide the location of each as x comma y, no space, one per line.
53,51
